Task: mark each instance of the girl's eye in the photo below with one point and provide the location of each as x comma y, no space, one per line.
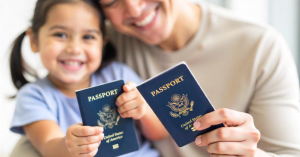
107,3
60,35
88,37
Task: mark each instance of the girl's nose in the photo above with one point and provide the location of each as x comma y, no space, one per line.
74,47
134,7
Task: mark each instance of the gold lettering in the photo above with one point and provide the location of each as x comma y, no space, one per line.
172,83
112,92
160,89
153,92
167,86
157,92
103,94
181,78
164,87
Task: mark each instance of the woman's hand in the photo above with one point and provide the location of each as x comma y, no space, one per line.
83,141
131,103
238,138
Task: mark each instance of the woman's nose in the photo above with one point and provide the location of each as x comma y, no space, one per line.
134,7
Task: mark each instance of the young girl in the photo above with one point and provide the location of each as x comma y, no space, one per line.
69,37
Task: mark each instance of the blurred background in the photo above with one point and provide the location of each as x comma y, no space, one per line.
15,16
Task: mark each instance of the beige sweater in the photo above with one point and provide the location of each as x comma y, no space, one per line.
240,65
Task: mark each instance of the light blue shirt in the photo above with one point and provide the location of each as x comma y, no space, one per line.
41,100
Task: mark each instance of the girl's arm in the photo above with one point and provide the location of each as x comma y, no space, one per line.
151,126
47,137
132,104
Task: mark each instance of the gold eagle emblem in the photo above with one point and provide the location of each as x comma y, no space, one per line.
180,105
108,116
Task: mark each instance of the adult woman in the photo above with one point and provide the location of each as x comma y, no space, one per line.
242,66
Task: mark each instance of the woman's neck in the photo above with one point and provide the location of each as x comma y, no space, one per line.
69,89
185,27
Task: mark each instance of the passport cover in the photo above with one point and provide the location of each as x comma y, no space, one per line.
177,100
98,108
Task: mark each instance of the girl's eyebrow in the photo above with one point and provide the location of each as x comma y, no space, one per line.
93,31
63,27
57,27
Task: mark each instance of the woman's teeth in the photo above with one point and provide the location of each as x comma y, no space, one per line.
147,20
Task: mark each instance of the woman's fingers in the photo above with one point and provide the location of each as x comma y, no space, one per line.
217,155
230,148
228,134
238,139
227,116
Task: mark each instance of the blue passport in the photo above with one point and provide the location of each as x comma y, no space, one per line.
177,100
98,108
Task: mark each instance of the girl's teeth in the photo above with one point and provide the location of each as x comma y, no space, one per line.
72,63
146,20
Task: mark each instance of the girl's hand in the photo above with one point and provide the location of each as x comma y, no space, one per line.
131,103
83,141
238,138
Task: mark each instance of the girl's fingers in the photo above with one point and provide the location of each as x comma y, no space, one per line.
128,106
230,148
92,153
84,131
125,97
225,134
129,86
227,116
135,113
87,148
90,139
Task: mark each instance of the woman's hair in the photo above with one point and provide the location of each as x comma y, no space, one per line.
18,66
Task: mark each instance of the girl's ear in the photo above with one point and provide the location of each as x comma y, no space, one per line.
33,40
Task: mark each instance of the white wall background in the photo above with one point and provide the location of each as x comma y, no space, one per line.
15,16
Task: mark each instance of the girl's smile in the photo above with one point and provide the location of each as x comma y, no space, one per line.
70,43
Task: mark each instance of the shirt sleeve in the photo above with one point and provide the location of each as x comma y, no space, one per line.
30,107
275,104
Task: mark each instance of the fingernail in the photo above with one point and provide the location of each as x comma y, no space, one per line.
197,125
102,135
101,129
128,87
198,140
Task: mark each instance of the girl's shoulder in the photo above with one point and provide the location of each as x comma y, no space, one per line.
116,71
37,88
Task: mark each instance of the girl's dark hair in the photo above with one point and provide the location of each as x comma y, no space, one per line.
18,66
